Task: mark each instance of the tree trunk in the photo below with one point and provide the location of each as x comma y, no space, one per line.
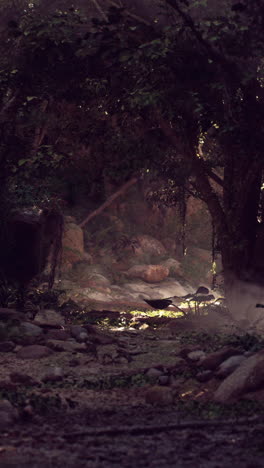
243,288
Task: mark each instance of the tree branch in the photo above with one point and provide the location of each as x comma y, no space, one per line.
97,6
212,52
40,131
202,182
110,200
132,15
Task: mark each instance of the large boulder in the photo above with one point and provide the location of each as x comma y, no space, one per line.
248,377
147,246
149,273
89,276
49,318
72,244
174,266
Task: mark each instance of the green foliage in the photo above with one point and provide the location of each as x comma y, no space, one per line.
114,381
214,411
88,98
209,342
42,404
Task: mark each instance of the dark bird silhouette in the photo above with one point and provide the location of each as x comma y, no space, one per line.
260,305
201,292
158,303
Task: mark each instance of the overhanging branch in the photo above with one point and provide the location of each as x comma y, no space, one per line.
202,182
189,22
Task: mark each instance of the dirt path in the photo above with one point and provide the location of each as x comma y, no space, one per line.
100,415
129,437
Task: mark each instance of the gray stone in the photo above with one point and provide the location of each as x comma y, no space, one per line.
24,379
173,265
49,318
30,329
10,314
164,380
70,346
34,352
8,414
154,373
83,337
213,360
55,374
159,396
7,346
61,335
76,330
5,405
196,355
248,377
229,365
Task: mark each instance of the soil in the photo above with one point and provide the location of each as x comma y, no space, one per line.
100,413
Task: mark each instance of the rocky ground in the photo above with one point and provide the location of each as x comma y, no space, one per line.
102,388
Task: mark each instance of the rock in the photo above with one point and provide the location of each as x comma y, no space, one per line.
173,265
34,352
69,219
6,419
86,275
10,314
159,396
229,365
95,295
49,318
62,335
164,380
30,329
82,337
203,255
24,379
55,374
149,273
7,346
183,352
8,414
95,280
77,331
72,244
138,286
248,377
147,246
27,412
97,336
154,373
69,346
196,355
204,376
213,360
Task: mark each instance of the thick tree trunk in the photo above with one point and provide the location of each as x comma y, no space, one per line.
243,288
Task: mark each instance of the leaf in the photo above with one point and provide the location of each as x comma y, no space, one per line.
124,57
21,162
30,98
